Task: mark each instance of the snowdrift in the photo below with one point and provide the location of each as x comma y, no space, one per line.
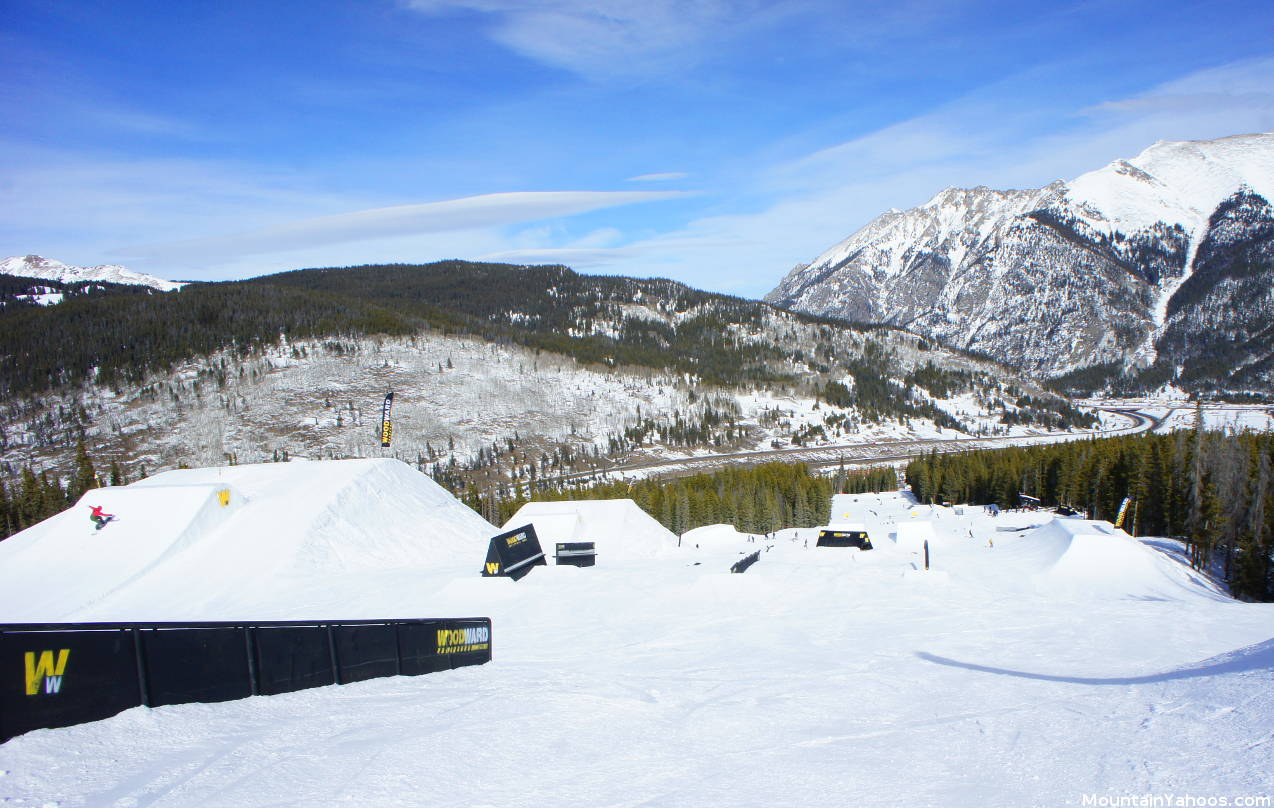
620,529
286,529
1094,558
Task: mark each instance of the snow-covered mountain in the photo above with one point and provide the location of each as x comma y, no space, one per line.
46,269
529,372
1163,260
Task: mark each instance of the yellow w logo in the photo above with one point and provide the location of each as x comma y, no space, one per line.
493,568
47,670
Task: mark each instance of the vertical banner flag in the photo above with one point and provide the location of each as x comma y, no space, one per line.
1123,511
386,426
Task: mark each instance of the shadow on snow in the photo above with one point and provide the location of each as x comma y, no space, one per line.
1253,657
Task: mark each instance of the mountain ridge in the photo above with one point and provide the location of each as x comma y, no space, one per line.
48,269
561,365
1059,279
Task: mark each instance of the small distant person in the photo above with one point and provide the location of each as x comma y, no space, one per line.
99,517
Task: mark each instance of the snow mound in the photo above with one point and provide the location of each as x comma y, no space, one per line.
286,530
910,536
620,529
718,537
1087,558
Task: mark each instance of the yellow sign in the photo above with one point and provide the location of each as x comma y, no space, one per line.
46,670
493,568
463,640
223,496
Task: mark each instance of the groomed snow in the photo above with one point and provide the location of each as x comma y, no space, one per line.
619,528
821,677
295,541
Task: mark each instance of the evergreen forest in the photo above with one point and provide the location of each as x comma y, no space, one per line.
35,497
754,499
113,335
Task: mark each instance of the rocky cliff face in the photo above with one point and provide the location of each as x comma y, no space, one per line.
1163,260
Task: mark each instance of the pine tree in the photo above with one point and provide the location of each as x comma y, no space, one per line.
85,477
8,519
30,505
1252,565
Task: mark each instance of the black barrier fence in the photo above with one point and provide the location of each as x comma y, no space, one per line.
58,674
743,563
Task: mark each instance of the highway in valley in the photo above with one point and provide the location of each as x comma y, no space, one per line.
863,454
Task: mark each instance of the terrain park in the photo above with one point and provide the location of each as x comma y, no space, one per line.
1034,660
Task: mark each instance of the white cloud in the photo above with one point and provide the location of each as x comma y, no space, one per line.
602,37
986,139
663,177
1243,89
77,207
574,257
539,246
469,213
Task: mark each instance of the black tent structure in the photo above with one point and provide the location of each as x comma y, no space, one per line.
514,554
844,536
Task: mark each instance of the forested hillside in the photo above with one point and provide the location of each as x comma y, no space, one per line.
656,324
135,332
120,339
504,374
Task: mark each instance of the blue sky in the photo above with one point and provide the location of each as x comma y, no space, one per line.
717,143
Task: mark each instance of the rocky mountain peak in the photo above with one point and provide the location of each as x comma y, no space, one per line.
47,269
1076,274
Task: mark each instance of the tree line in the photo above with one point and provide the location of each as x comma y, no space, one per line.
1211,489
754,499
33,497
120,334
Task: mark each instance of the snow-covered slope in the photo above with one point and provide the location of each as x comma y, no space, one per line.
1174,182
268,541
34,266
1078,273
820,677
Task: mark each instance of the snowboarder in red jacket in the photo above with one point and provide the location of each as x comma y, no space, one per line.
99,517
